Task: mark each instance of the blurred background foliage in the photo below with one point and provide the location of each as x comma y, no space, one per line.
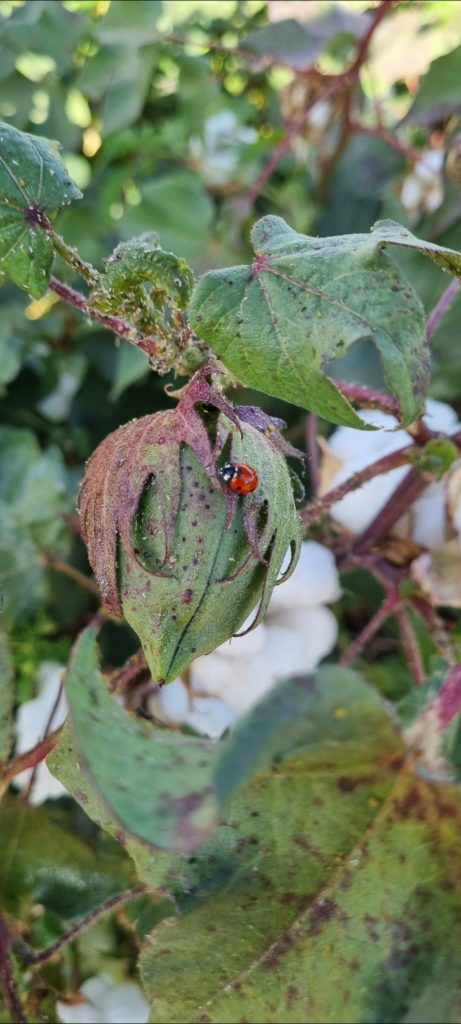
167,113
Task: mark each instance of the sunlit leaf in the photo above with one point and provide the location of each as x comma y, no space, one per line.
304,302
33,182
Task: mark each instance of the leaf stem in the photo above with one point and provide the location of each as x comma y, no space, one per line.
7,978
72,257
368,397
441,307
32,958
389,606
393,460
30,759
120,327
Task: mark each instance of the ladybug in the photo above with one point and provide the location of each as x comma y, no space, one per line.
240,478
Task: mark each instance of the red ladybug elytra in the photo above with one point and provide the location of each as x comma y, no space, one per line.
240,478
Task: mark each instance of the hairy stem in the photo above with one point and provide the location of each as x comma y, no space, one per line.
7,978
30,759
31,957
72,257
320,507
441,307
368,397
119,326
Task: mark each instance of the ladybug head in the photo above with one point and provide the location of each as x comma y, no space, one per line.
227,472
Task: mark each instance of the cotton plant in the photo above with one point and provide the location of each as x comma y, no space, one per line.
433,522
298,632
100,1000
33,720
422,190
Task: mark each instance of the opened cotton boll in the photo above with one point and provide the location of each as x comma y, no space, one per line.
427,522
422,190
102,1001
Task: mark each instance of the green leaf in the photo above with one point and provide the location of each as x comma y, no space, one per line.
32,497
66,764
322,750
331,893
135,25
305,301
178,209
157,784
439,92
6,697
298,44
33,182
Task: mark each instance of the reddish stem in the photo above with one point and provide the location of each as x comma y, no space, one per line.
378,131
30,759
393,460
132,668
313,451
48,725
441,307
292,130
410,488
389,606
411,646
368,397
7,978
114,323
32,957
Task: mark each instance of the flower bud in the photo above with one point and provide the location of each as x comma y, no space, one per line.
176,552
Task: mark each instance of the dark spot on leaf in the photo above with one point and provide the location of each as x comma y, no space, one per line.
81,796
187,596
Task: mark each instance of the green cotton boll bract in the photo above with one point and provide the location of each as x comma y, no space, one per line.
176,553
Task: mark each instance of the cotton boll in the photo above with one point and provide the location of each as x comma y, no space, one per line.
31,722
105,1002
428,517
245,646
440,416
315,581
242,685
317,629
358,509
173,701
210,716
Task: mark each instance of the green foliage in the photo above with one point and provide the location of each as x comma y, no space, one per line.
33,182
32,499
304,301
304,868
156,785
